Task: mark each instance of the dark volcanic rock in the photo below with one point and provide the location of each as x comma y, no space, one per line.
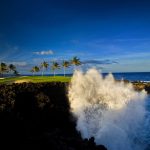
142,86
37,116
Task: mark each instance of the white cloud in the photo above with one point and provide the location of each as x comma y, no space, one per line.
48,52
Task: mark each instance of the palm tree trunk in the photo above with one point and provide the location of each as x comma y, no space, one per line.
74,66
9,72
54,73
64,71
42,71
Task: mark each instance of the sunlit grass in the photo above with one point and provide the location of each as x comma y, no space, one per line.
35,79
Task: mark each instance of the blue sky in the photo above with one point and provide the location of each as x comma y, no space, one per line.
111,35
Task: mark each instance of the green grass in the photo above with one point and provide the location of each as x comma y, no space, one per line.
35,79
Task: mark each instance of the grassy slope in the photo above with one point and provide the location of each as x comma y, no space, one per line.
35,79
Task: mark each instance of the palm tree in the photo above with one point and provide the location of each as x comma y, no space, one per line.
65,65
11,68
35,69
44,65
55,66
75,62
16,73
32,71
3,68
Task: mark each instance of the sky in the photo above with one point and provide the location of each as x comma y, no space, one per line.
110,35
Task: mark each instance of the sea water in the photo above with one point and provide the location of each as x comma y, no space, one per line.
112,112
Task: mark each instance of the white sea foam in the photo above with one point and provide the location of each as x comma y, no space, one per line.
112,112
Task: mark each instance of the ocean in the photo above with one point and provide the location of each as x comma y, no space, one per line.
132,76
111,112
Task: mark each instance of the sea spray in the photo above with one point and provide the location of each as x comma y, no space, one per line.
110,111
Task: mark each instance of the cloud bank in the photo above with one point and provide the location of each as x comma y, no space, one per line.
48,52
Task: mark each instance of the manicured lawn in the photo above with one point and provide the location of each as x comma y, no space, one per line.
35,79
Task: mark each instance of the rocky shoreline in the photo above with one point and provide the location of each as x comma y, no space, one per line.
37,115
142,86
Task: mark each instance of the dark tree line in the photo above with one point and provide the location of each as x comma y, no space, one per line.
10,68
